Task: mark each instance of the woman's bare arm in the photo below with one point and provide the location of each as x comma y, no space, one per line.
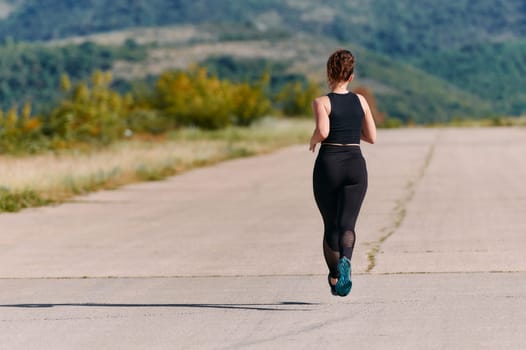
369,127
321,109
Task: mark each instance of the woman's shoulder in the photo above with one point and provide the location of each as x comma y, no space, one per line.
360,97
322,99
323,102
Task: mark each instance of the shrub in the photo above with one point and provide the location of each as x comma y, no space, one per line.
90,113
194,98
391,123
249,104
21,132
296,98
148,122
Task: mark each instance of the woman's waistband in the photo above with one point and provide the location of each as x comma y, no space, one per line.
329,148
340,144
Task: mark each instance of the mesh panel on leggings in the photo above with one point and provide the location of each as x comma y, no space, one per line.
347,241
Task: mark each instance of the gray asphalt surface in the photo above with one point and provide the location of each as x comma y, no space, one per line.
229,257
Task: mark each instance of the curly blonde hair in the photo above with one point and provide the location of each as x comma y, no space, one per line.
340,67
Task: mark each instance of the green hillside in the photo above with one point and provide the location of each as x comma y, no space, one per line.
492,71
425,61
413,94
31,73
403,27
38,20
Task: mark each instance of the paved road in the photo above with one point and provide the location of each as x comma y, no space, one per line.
229,257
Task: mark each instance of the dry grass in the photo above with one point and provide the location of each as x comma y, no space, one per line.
57,173
169,35
489,122
297,49
56,178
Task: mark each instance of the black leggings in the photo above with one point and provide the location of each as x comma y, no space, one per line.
340,183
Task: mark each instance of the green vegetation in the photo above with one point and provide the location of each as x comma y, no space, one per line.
89,113
417,96
495,72
60,19
296,98
407,29
496,121
31,73
92,114
252,69
292,93
476,47
197,99
431,61
15,201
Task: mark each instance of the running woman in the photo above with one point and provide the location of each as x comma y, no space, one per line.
340,174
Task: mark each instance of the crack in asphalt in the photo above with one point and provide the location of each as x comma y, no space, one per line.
400,210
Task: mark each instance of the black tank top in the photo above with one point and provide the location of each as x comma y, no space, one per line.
346,119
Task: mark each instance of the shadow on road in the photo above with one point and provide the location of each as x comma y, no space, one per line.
282,306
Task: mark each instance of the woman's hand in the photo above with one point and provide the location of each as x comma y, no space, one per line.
312,146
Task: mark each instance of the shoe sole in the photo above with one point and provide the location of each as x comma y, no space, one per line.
344,285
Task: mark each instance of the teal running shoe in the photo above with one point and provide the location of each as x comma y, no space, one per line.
344,285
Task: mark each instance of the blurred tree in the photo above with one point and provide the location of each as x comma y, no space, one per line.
296,98
194,98
379,117
90,112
